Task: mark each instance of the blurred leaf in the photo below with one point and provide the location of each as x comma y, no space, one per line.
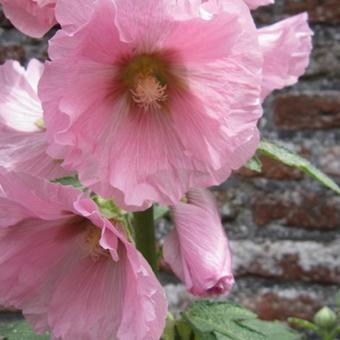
19,330
302,324
228,321
69,180
287,157
159,211
184,330
254,164
169,331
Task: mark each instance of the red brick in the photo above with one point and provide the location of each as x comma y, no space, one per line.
272,169
320,11
305,261
330,160
272,306
309,211
308,111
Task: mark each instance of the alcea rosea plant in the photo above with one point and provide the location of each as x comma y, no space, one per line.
142,103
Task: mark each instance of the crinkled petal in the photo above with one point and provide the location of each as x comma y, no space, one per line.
197,249
133,305
139,158
286,47
69,15
33,197
29,16
46,264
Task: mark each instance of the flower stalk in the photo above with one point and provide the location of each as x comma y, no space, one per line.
145,236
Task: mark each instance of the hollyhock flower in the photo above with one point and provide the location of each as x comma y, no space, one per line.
23,140
286,47
69,269
32,17
148,99
197,248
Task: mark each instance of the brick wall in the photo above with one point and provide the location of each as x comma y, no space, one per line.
284,227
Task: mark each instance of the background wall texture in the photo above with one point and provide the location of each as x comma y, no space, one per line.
283,227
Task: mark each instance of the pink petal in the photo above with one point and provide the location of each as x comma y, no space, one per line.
31,17
47,270
69,15
26,152
286,46
23,142
19,105
139,158
34,197
197,249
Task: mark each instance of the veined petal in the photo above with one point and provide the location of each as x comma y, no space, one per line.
286,47
197,249
29,16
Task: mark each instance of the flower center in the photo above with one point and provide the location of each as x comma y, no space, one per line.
146,77
149,93
92,238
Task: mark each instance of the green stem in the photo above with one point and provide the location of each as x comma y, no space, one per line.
145,236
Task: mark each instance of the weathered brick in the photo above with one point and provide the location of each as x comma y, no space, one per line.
280,306
320,11
320,110
306,261
299,210
330,160
272,169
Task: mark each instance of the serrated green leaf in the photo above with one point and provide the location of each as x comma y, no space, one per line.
279,152
159,211
19,330
254,164
228,321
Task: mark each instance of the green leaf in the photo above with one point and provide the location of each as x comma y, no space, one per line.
169,331
19,330
184,330
159,211
302,324
228,321
254,164
69,180
279,152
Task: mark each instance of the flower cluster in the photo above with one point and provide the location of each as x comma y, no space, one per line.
146,102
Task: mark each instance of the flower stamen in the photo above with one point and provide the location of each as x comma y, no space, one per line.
149,93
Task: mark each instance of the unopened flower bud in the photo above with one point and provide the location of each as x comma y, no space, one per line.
325,318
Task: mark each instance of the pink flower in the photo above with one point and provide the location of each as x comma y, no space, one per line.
23,140
147,99
32,17
286,47
70,270
197,249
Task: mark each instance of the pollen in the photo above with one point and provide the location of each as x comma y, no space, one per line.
92,245
149,93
